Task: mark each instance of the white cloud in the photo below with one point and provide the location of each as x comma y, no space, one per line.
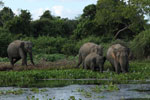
38,12
57,10
17,12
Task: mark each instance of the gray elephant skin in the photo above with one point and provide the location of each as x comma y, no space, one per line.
95,62
18,50
86,49
117,55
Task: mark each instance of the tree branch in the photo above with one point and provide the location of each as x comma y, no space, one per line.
120,31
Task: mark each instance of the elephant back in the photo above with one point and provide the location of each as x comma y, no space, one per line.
13,48
89,47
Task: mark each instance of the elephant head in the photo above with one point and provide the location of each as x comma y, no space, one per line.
121,59
27,47
98,49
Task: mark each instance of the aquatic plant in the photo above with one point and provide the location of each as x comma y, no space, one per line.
139,70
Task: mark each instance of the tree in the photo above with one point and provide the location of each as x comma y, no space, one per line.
87,25
20,24
89,11
6,14
47,14
119,18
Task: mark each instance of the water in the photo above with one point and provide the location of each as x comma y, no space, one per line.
125,92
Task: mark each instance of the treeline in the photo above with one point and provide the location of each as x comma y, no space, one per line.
101,23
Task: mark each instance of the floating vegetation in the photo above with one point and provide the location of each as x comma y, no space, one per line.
139,73
37,90
15,92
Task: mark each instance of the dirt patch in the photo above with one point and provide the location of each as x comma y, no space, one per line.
61,64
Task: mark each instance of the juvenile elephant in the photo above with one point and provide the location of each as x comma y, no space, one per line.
94,61
18,50
117,55
88,48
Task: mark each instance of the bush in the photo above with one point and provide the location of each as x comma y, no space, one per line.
5,59
141,45
5,39
50,57
46,45
69,48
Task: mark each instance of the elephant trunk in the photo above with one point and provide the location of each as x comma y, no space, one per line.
30,54
124,64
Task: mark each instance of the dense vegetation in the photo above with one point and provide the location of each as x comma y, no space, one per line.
102,23
31,78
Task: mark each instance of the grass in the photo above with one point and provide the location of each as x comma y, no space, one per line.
26,76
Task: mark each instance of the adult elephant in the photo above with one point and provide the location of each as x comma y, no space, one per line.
18,50
86,49
94,61
117,55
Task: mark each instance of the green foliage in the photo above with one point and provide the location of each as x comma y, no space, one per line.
114,15
5,39
4,59
47,45
50,57
6,14
141,45
89,11
20,24
139,70
46,14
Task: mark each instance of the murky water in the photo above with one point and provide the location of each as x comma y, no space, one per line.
125,92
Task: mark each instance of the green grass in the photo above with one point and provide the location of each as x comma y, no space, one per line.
139,70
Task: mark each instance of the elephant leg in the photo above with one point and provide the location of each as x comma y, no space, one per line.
31,58
23,57
79,62
127,67
112,64
101,68
85,66
11,61
16,60
123,69
117,67
24,61
92,66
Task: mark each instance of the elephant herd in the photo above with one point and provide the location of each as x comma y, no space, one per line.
90,55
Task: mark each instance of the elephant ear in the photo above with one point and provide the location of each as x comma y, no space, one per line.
22,44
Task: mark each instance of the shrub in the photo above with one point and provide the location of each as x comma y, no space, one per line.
141,44
50,57
47,45
69,48
5,39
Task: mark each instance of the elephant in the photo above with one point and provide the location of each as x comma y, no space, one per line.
86,49
18,50
118,56
94,61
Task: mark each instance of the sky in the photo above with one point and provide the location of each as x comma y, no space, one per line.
64,8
